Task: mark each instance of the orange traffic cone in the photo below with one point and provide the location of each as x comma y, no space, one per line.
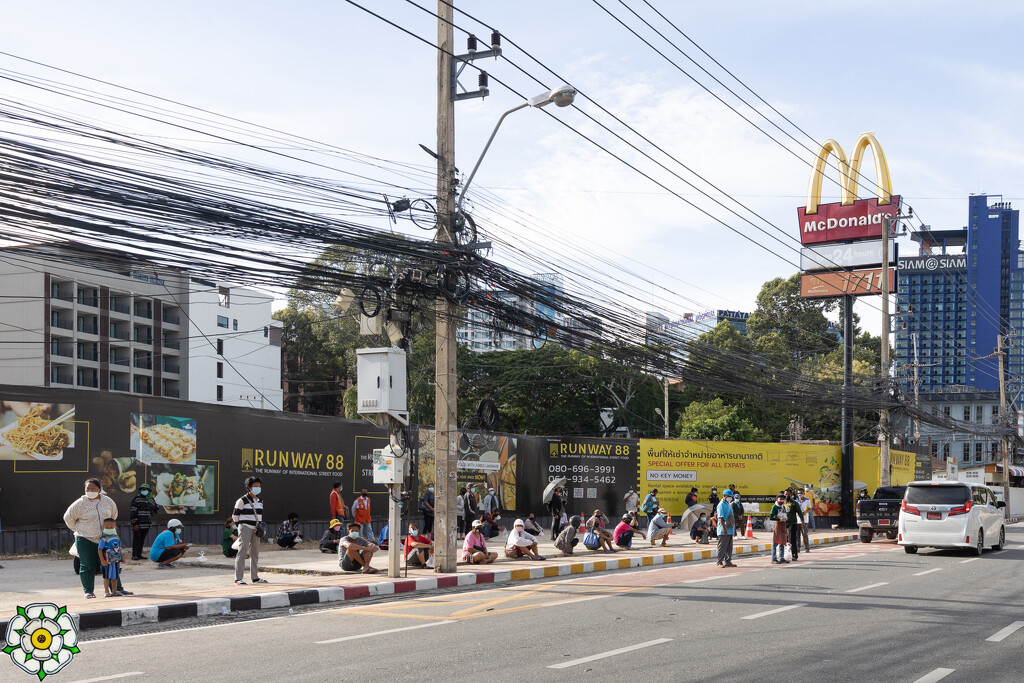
750,527
583,529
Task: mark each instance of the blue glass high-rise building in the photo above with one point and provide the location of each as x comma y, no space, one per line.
952,306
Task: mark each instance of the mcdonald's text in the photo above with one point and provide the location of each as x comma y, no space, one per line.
838,222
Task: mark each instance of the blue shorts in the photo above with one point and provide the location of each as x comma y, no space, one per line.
112,571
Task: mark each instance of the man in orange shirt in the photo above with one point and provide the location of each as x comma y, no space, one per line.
361,512
337,504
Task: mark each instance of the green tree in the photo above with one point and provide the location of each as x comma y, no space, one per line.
716,421
314,360
786,327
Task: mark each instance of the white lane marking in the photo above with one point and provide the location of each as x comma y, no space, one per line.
775,611
710,578
179,630
928,571
936,675
573,602
110,678
867,588
390,630
998,636
970,560
609,653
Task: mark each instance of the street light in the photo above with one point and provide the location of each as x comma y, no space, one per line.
562,96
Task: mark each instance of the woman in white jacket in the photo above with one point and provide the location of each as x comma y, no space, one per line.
85,518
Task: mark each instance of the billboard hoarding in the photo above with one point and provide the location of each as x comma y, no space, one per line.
838,283
863,254
864,218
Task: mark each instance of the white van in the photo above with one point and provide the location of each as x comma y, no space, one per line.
950,514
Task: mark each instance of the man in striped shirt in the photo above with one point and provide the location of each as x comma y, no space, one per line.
247,514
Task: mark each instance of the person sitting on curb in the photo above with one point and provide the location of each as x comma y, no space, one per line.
660,528
596,524
419,549
288,534
474,548
329,541
384,540
228,538
531,526
700,530
168,546
490,527
567,540
355,552
520,543
625,530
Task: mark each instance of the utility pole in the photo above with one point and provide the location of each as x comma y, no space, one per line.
883,414
1005,438
446,432
847,516
664,383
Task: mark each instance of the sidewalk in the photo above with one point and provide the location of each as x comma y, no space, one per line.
305,577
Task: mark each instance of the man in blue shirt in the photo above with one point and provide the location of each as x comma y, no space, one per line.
168,546
726,529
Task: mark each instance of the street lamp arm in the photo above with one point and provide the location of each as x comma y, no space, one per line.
462,195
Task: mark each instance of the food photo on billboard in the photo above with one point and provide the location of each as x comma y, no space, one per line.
162,439
182,489
36,431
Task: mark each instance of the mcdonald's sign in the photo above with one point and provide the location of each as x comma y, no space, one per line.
850,218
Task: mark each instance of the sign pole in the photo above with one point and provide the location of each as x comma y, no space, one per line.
846,473
883,414
1004,441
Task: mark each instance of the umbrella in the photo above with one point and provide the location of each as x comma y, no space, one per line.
550,490
692,513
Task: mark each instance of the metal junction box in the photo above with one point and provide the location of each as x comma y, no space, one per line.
382,383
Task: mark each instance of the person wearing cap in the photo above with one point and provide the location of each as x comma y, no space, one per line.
332,536
624,531
659,528
779,513
521,544
143,507
168,546
566,540
713,498
474,548
490,503
726,529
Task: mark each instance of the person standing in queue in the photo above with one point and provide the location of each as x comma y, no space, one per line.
556,506
361,515
338,509
143,508
248,515
650,506
427,508
793,523
726,529
85,518
691,497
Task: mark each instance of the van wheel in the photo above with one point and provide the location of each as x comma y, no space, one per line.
979,547
1002,539
866,535
911,549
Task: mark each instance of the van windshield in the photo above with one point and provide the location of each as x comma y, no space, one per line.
938,495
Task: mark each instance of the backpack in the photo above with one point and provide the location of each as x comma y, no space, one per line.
649,504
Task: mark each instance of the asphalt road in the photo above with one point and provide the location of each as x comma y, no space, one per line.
862,612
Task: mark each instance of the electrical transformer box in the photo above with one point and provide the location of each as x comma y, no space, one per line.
388,468
381,375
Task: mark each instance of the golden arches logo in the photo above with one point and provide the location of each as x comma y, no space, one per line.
849,172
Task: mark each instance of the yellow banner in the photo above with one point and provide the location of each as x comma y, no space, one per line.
758,470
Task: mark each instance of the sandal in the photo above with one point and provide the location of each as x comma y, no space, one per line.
124,592
260,581
90,595
370,570
240,583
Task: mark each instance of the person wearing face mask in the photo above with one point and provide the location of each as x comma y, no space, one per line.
427,508
228,538
248,514
143,508
361,514
700,529
726,529
85,518
168,546
419,549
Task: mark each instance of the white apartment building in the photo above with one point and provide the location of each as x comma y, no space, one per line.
97,322
481,332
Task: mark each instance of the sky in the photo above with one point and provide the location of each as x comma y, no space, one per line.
940,84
